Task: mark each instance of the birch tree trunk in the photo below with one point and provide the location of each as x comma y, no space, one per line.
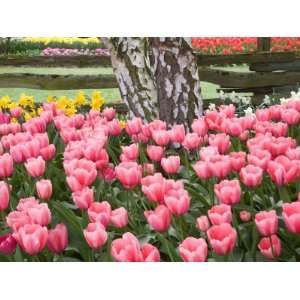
176,79
158,78
131,67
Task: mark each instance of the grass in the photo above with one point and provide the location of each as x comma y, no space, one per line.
209,90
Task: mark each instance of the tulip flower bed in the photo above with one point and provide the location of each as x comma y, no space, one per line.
228,45
92,187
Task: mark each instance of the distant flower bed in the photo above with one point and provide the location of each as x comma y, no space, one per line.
231,45
74,52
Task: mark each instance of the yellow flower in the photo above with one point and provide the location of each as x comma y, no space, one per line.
70,111
51,98
27,116
14,120
5,101
122,124
12,105
26,100
39,110
97,100
80,99
63,102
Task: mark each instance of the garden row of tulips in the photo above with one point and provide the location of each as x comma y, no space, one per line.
91,187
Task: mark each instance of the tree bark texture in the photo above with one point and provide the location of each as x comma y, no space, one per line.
158,77
131,67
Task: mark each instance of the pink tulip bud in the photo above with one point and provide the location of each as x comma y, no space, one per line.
193,250
245,216
251,175
150,253
58,238
44,189
178,201
4,195
177,134
109,113
161,137
203,223
48,152
95,235
129,173
291,216
191,141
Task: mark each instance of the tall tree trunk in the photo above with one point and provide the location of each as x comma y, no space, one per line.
158,77
176,79
131,67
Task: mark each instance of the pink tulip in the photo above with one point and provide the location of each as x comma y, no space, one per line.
191,141
219,165
95,235
222,238
220,214
161,137
83,198
203,223
245,216
133,126
178,201
202,169
126,249
153,186
119,217
58,238
251,175
263,114
129,173
48,152
44,189
237,160
100,212
8,244
109,113
4,195
17,219
114,127
6,165
35,166
32,238
155,152
40,214
177,134
171,164
228,191
159,219
259,158
290,116
26,203
291,216
221,141
270,247
16,112
150,253
200,127
131,152
193,250
266,222
207,152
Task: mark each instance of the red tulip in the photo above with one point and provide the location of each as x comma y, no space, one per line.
8,244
